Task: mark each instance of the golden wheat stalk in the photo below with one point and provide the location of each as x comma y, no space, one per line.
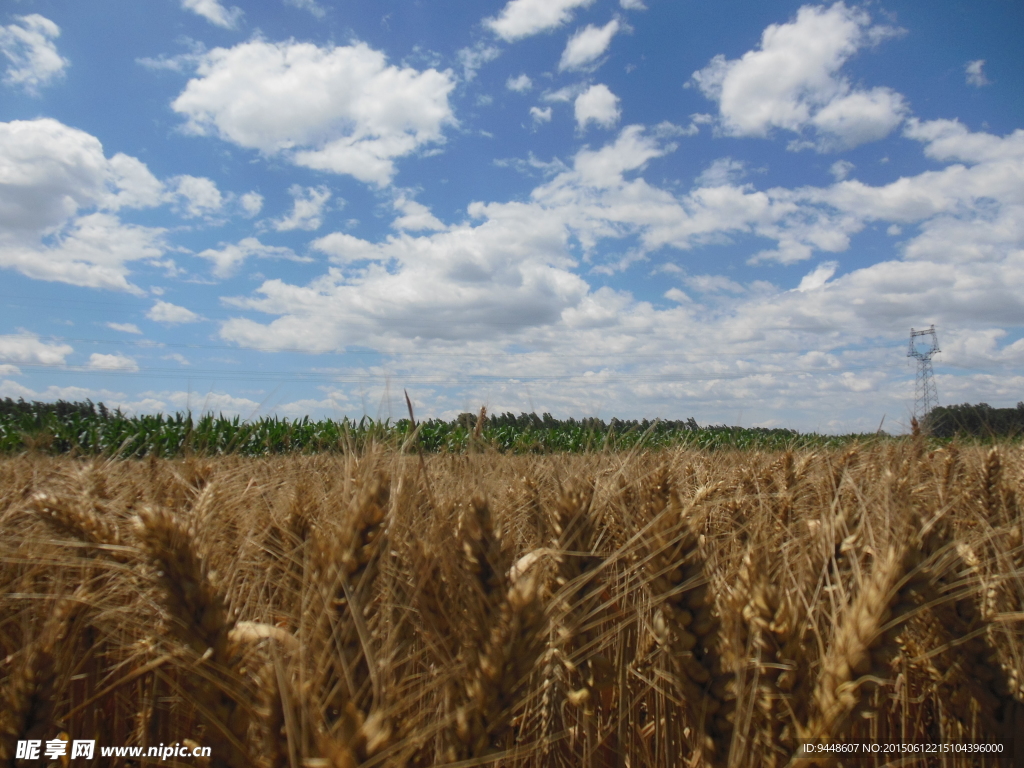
78,520
858,656
688,626
29,694
498,681
197,617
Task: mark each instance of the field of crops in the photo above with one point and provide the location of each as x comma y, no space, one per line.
88,428
623,608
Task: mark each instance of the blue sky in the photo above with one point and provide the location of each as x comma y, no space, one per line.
633,208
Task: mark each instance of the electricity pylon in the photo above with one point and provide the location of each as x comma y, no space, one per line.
926,396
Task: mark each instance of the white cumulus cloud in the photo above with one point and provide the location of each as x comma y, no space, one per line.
416,217
817,279
793,82
33,60
520,84
597,104
229,257
53,176
214,12
724,170
27,349
952,140
252,203
473,57
309,5
93,251
712,284
195,195
335,108
114,362
171,314
840,169
588,45
857,118
540,115
212,402
509,271
307,209
523,18
975,73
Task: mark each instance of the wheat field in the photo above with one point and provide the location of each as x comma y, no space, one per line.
660,608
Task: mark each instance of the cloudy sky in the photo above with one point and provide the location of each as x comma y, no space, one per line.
734,211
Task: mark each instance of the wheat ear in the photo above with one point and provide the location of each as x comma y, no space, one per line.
347,572
771,636
687,626
79,521
859,655
30,695
498,680
483,559
199,619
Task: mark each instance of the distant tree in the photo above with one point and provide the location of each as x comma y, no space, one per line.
981,420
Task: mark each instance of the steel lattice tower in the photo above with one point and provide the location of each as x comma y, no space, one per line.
926,396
